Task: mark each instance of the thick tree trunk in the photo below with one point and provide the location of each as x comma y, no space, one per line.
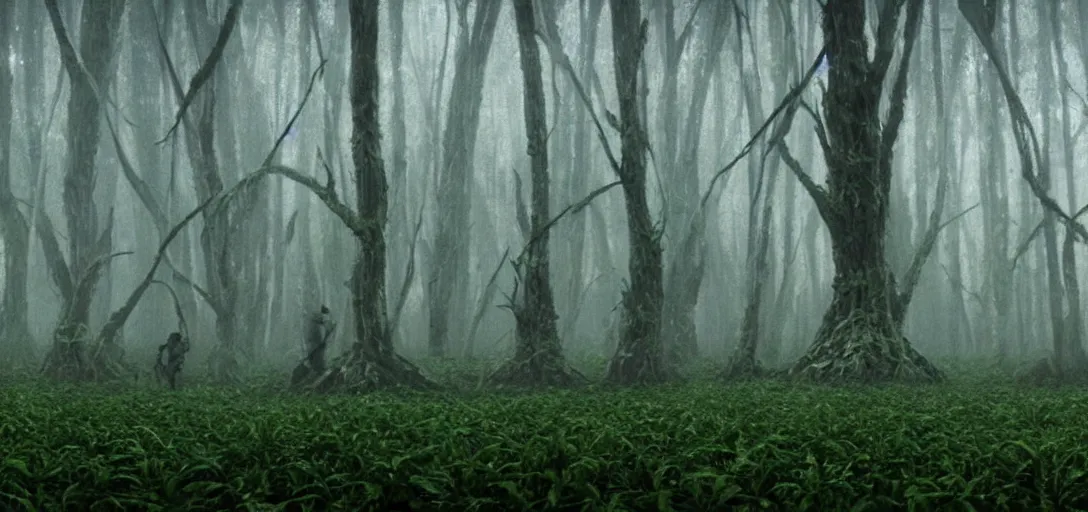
538,357
860,338
640,356
581,169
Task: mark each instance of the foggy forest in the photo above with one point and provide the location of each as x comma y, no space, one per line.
543,255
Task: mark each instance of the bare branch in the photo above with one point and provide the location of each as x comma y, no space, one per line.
485,298
208,66
685,34
818,194
68,56
1023,247
327,196
117,319
885,38
821,132
914,272
54,257
897,102
520,212
792,96
183,326
980,17
555,50
298,111
142,189
200,291
572,209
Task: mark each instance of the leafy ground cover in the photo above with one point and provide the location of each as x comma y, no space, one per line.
700,446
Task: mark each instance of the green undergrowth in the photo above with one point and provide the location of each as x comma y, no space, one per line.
700,446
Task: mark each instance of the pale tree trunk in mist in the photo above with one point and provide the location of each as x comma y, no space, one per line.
1067,345
762,179
743,363
685,267
222,276
995,205
88,244
582,166
640,356
785,43
153,185
678,330
943,128
538,356
335,243
400,222
1069,358
450,264
1073,321
36,99
14,328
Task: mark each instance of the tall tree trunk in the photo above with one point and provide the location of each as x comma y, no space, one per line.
538,357
1073,321
860,339
639,357
369,363
581,168
451,247
88,245
683,279
14,328
400,223
34,98
1069,359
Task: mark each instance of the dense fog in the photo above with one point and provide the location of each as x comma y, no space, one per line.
164,106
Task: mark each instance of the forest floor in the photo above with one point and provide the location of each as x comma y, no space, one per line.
695,446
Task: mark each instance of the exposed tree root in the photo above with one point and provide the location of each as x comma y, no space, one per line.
360,372
542,369
861,349
639,360
71,360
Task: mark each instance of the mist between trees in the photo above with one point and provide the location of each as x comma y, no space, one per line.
853,192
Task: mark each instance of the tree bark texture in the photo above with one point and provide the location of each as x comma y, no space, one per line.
538,357
639,356
87,243
859,339
371,362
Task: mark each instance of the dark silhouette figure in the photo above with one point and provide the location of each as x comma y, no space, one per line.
174,349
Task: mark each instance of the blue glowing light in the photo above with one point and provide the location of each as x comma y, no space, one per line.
825,64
